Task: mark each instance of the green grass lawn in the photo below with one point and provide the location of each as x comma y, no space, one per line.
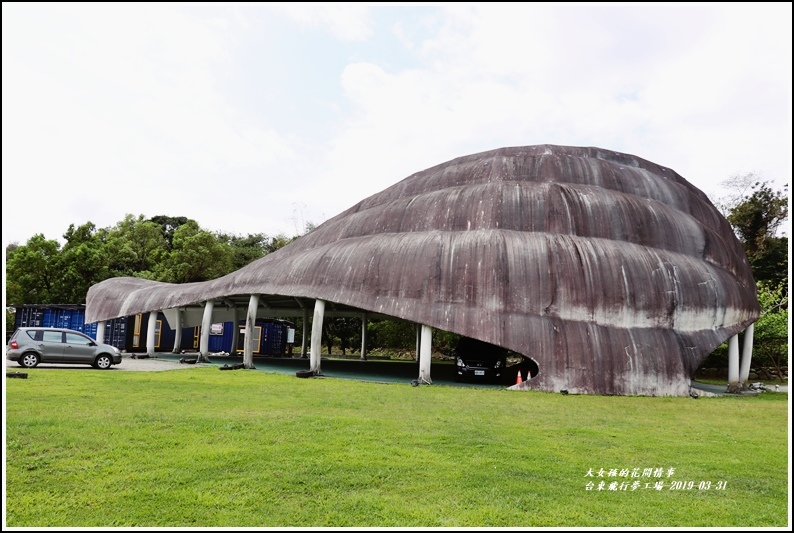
198,447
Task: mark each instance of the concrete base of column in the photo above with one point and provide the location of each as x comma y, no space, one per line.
734,388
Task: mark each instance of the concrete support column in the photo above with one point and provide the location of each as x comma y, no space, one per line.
747,353
235,332
425,350
317,337
100,332
363,336
305,333
248,340
733,365
418,340
151,331
204,340
178,332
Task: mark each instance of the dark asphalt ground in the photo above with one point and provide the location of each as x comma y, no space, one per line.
391,371
375,370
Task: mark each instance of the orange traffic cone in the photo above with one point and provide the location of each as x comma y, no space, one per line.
518,378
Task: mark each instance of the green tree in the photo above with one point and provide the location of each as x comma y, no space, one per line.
278,241
770,264
83,262
33,272
391,334
169,225
756,211
197,255
756,218
244,249
346,331
10,319
445,342
134,247
770,338
251,247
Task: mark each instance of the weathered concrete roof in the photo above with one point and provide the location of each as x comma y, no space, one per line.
616,275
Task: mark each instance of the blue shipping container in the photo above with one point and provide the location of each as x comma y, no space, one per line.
54,316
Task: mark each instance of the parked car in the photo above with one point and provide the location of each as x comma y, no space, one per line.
31,346
474,368
476,360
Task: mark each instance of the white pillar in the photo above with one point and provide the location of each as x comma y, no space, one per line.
747,353
425,351
151,330
206,324
178,332
305,333
317,337
248,340
363,336
100,332
733,364
235,333
418,340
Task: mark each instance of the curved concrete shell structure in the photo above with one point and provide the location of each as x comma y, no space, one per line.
614,274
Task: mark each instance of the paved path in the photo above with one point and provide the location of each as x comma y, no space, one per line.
719,390
127,363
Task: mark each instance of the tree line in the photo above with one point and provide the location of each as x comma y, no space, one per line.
161,248
178,250
756,212
167,249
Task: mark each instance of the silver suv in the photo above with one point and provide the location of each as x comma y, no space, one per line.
31,346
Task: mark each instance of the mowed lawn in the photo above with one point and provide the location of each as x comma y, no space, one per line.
203,448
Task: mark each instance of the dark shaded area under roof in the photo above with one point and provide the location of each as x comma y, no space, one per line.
614,274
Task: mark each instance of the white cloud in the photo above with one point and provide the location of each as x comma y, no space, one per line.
121,104
208,112
348,22
676,86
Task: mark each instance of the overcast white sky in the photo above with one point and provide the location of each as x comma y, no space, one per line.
257,118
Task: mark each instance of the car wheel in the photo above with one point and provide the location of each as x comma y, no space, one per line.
103,362
29,360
